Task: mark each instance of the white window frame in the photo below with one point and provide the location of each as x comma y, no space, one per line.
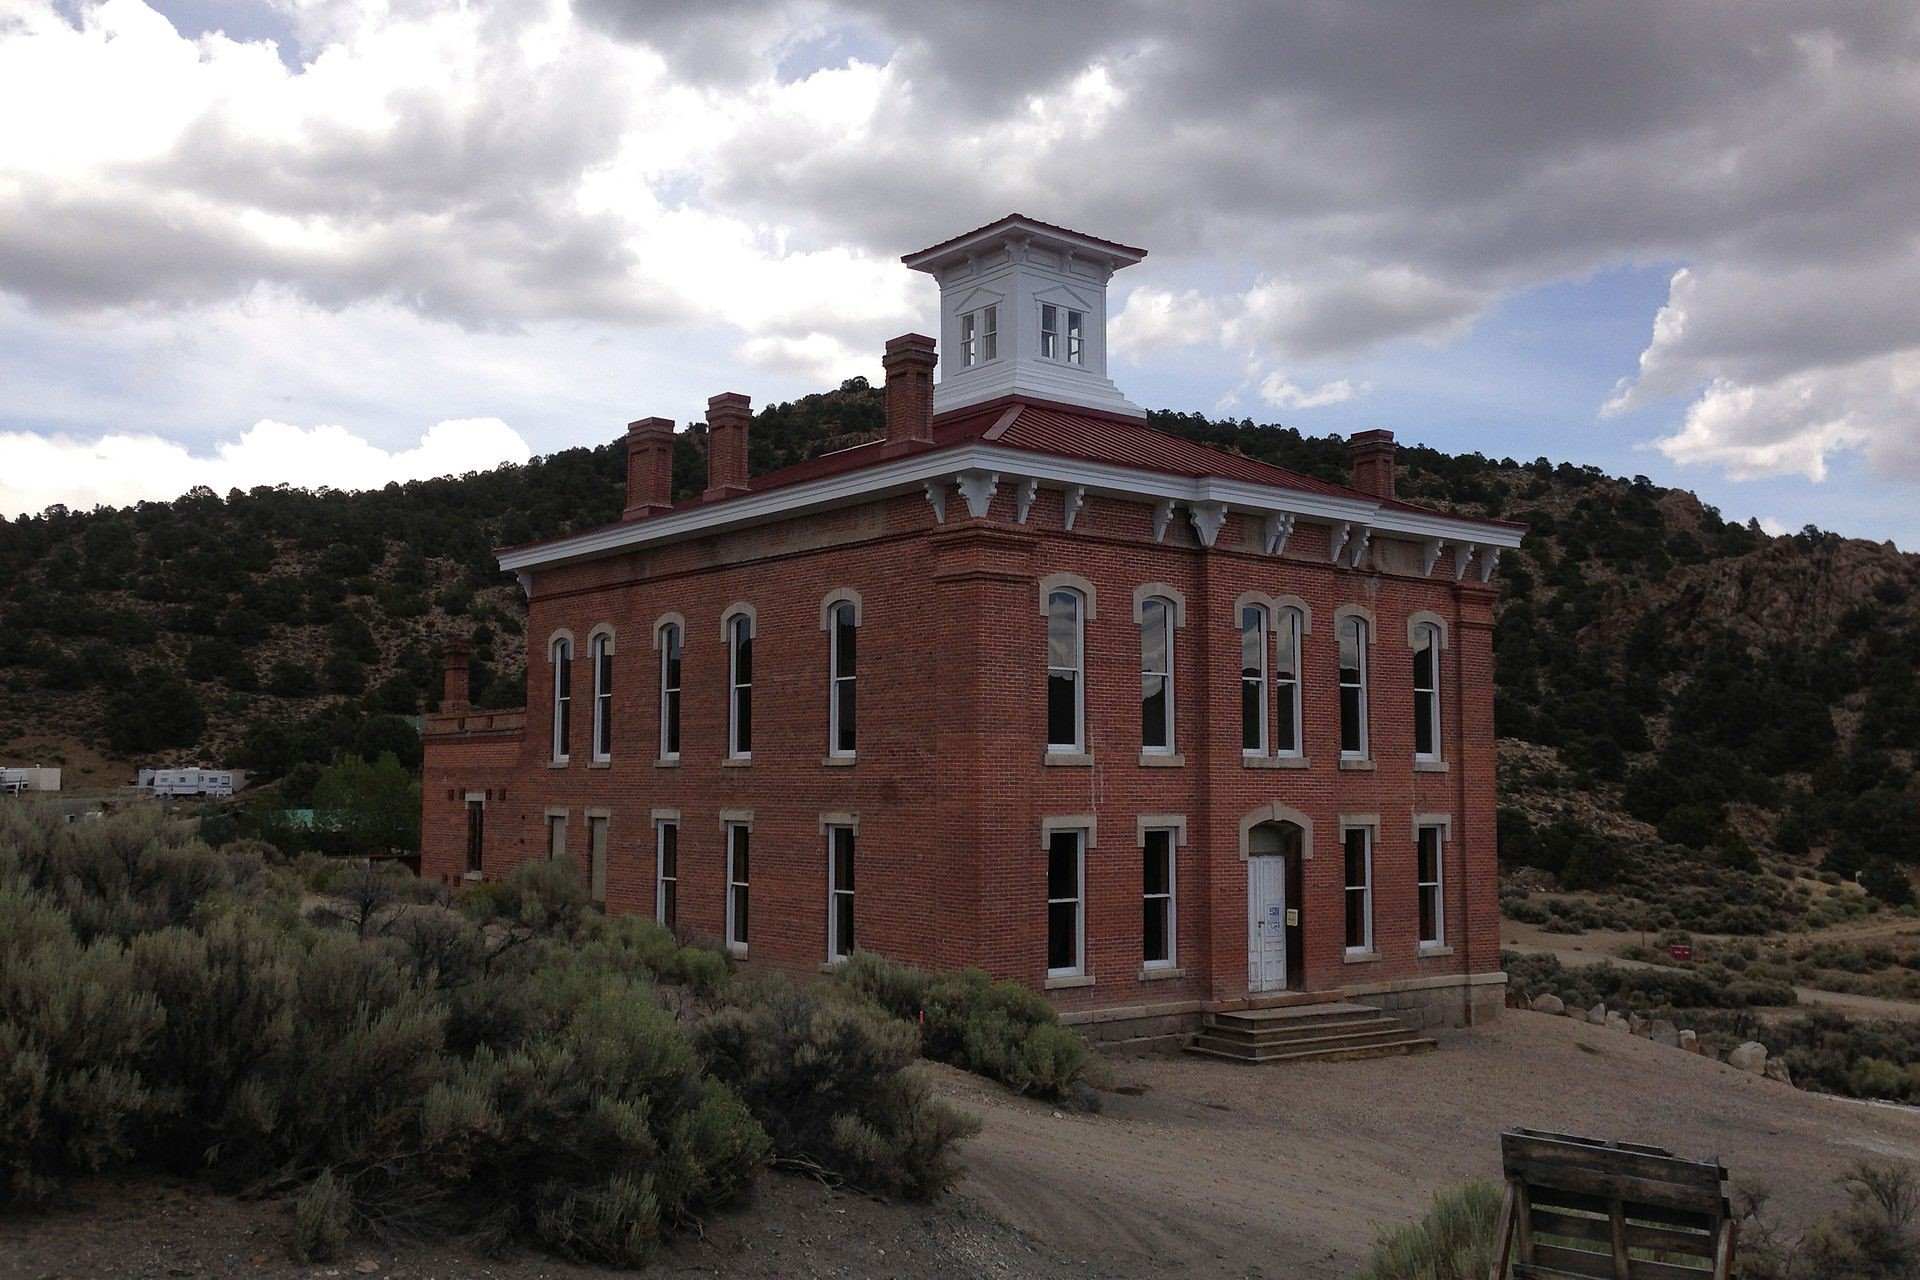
560,654
1079,670
1437,886
1287,697
660,877
1363,637
1171,896
1076,352
836,891
737,625
671,704
980,336
1167,615
1079,966
1260,681
1049,332
600,649
1366,889
835,680
1428,632
738,945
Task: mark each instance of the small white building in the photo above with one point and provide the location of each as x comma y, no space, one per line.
190,782
14,781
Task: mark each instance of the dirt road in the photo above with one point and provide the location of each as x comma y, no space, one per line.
1221,1169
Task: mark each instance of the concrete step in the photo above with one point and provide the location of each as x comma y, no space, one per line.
1388,1049
1295,1014
1263,1043
1271,1033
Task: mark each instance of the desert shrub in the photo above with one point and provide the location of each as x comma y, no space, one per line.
1453,1241
322,1219
74,1027
998,1029
1708,986
835,1083
633,945
545,896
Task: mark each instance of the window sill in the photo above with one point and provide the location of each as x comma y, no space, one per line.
1157,973
1070,759
667,762
1429,766
736,762
1162,760
558,764
1433,950
838,762
1357,765
600,764
1360,957
475,876
833,966
1068,980
738,950
1275,762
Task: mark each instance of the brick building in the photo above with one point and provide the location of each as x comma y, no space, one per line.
1026,685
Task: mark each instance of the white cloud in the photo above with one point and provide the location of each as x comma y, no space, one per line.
1153,319
123,468
1282,393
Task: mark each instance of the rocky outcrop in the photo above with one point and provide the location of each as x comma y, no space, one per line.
1750,1057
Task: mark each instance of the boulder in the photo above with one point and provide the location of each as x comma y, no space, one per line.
1547,1003
1637,1024
1664,1032
1690,1041
1616,1021
1751,1056
1598,1015
1777,1070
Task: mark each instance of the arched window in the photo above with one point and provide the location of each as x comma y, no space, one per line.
1426,691
1253,680
1156,675
1066,692
1288,624
1353,687
740,686
843,626
562,658
602,651
670,644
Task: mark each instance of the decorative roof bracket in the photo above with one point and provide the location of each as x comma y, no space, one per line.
1462,557
1430,555
1489,558
937,499
1279,529
1337,539
977,487
1023,500
1208,519
1357,544
1076,498
1162,517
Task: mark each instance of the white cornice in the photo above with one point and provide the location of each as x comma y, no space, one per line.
943,466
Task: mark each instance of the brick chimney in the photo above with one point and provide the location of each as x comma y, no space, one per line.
1370,462
453,675
649,468
727,416
909,362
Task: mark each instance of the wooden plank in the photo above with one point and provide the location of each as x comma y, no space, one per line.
1617,1230
1553,1222
1677,1218
1645,1269
1723,1253
1548,1153
1503,1236
1576,1262
1609,1185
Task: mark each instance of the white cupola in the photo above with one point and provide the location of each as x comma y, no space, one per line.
1023,311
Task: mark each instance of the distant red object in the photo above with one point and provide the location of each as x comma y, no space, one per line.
1680,951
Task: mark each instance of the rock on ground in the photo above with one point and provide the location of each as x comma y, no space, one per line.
1751,1056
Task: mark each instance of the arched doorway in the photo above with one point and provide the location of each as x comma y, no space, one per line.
1276,913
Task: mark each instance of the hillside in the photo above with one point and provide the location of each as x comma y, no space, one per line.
1681,699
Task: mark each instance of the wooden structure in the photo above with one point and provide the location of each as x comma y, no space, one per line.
1578,1207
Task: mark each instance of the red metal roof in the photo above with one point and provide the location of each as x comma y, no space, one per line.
1065,432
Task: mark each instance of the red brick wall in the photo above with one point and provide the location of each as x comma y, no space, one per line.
950,785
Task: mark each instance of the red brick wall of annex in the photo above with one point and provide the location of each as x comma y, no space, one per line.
950,785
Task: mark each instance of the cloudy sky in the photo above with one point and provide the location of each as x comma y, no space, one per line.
344,241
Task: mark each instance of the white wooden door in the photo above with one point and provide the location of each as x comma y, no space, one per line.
1266,924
